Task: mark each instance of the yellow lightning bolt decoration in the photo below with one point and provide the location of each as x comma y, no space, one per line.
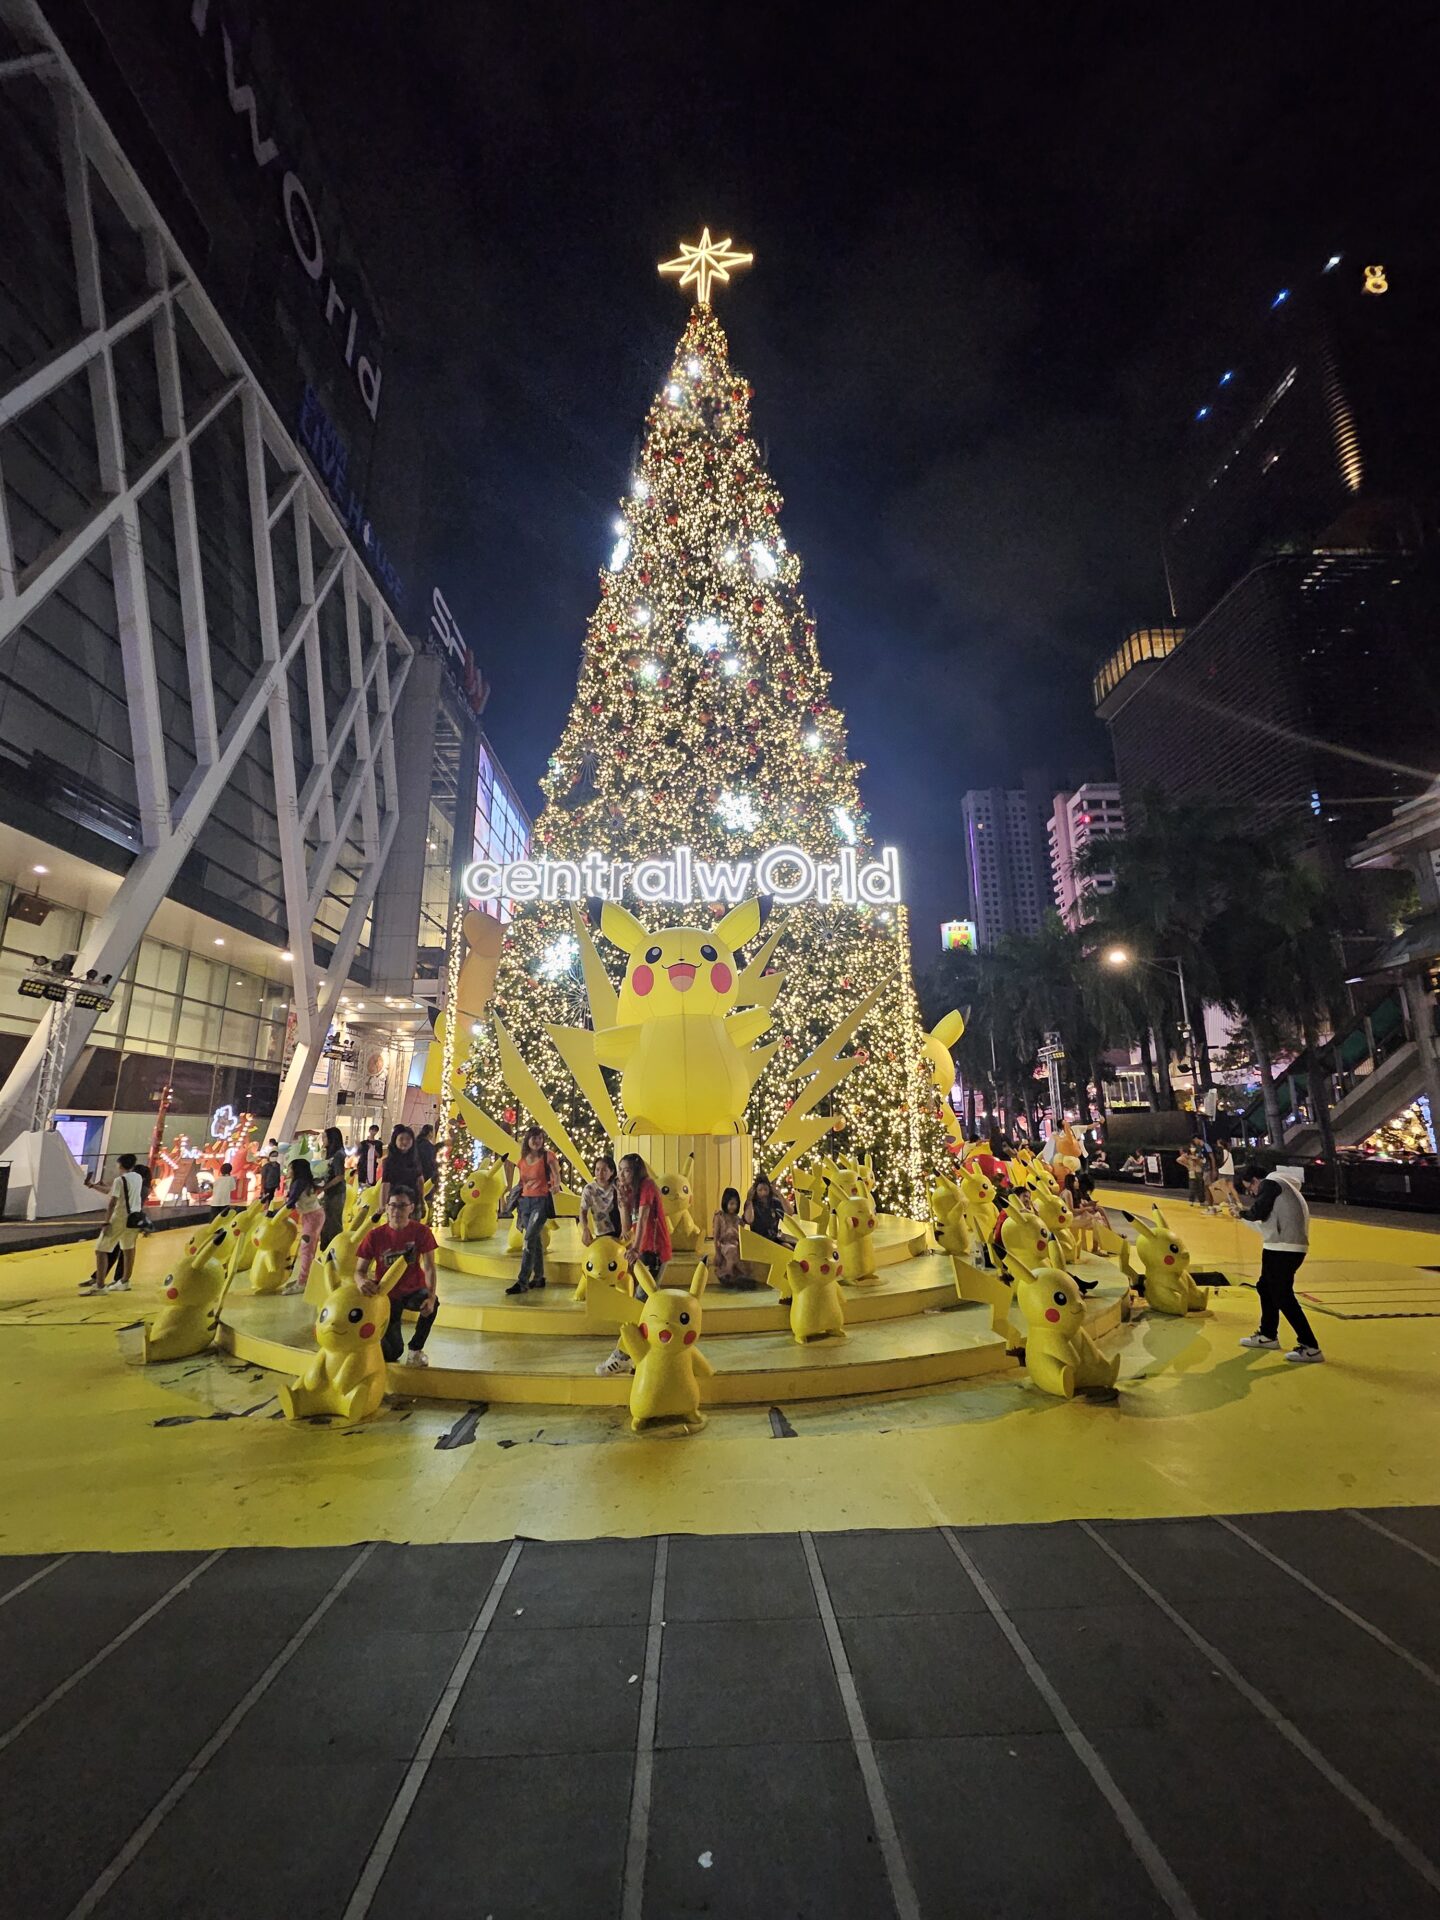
705,262
801,1127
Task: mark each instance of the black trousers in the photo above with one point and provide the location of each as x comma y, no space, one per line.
392,1341
1277,1296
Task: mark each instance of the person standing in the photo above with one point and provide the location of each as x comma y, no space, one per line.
367,1160
1222,1187
537,1178
271,1175
120,1229
414,1292
1277,1207
426,1152
306,1202
222,1188
647,1231
643,1213
600,1203
401,1165
332,1191
1193,1160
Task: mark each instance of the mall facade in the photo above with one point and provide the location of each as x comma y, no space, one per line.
242,761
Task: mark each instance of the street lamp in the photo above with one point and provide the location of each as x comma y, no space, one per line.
1122,957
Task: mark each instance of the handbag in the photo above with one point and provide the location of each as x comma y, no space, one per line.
134,1216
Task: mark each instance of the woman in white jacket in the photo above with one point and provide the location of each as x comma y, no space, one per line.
1277,1207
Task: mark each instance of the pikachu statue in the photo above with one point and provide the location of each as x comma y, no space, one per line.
668,1362
676,1196
687,1056
853,1224
1168,1287
479,1214
1050,1205
1060,1356
276,1238
977,1201
606,1265
812,1286
193,1290
948,1221
347,1374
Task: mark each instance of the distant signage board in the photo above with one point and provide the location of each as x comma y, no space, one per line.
957,936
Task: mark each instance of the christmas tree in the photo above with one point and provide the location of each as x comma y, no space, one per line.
703,719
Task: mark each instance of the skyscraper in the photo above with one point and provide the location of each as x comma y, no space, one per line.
1005,857
1092,812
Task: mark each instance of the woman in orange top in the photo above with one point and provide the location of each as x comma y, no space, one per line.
538,1179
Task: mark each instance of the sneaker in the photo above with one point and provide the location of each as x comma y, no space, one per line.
1304,1356
292,1286
1260,1340
619,1362
117,1286
92,1286
414,1358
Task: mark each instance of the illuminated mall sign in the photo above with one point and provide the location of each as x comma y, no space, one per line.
788,874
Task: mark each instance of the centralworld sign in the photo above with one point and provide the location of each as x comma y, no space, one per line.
787,873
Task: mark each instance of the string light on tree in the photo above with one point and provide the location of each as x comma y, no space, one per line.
707,635
764,562
560,956
738,812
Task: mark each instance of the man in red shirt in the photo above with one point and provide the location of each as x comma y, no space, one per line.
414,1291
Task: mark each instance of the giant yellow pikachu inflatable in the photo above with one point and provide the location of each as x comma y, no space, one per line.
687,1058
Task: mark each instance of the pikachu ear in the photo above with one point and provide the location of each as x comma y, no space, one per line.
687,1171
700,1279
619,925
948,1030
740,925
333,1281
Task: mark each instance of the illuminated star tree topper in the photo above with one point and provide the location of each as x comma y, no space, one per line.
707,261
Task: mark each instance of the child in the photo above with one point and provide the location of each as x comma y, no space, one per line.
600,1203
1089,1214
222,1188
304,1200
725,1233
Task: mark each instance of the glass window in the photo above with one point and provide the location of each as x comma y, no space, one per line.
157,965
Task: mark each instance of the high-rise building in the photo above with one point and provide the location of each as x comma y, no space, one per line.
1318,430
235,727
1307,688
1304,558
1092,812
1005,858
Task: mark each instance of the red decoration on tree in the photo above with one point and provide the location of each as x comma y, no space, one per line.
509,1116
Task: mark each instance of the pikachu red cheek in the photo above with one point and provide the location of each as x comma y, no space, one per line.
690,1336
367,1330
721,978
642,980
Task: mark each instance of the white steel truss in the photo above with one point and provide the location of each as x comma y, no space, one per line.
168,831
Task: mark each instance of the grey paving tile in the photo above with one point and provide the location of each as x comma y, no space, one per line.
1418,1524
1034,1836
286,1581
66,1816
343,1698
284,1837
738,1577
1250,1826
925,1675
1342,1556
1394,1759
565,1691
1056,1566
579,1583
18,1567
56,1626
535,1838
889,1573
1305,1656
1126,1666
1187,1559
436,1589
779,1831
747,1682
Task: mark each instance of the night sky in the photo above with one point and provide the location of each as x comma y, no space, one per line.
1000,253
